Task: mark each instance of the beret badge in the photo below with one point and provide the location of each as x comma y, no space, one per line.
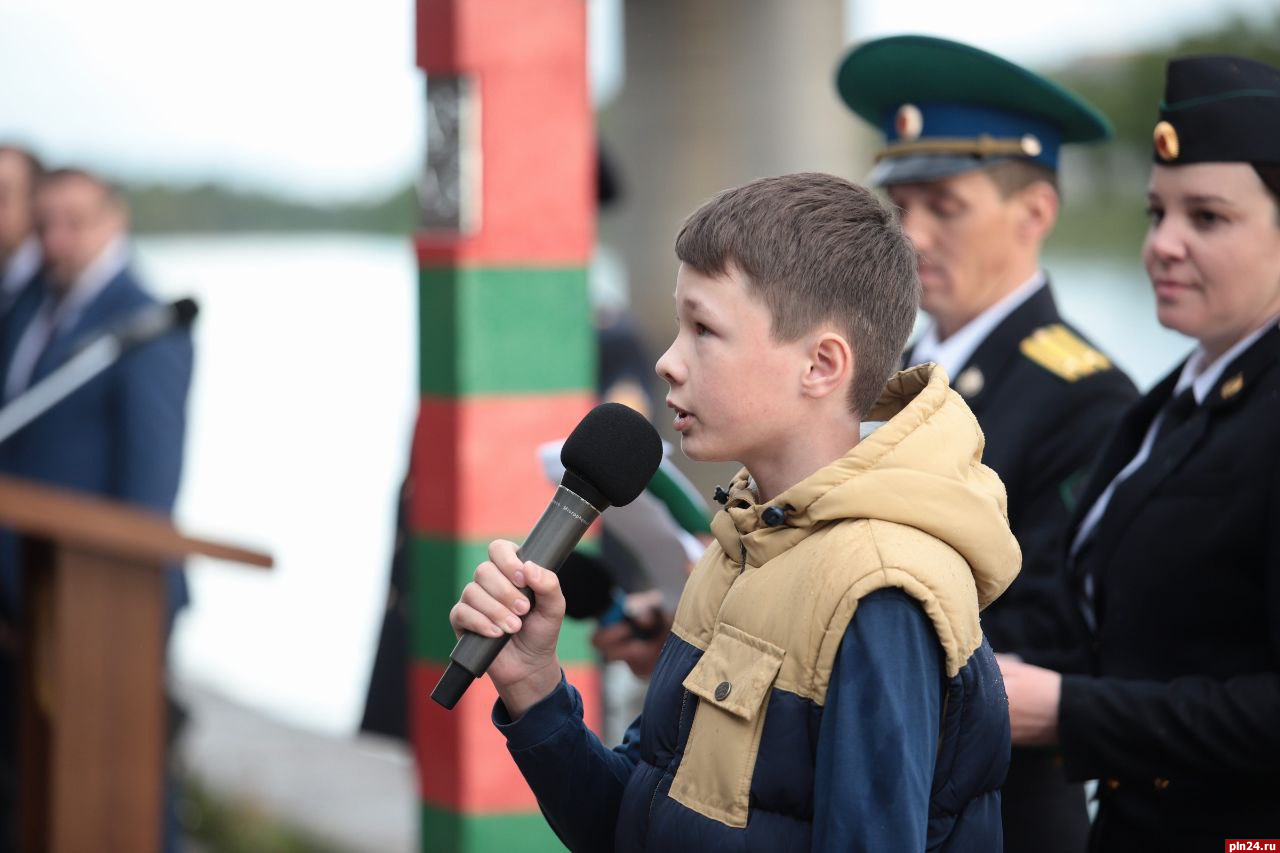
1166,141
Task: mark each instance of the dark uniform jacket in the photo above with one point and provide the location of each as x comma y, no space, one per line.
1182,722
1046,400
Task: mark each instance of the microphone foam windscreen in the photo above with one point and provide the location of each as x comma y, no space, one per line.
616,450
184,311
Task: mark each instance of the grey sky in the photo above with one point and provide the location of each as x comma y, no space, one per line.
319,98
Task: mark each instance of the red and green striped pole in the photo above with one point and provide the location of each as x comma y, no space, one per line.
507,363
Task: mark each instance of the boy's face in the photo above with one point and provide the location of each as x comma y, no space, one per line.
735,390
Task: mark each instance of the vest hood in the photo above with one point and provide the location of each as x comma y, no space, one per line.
921,468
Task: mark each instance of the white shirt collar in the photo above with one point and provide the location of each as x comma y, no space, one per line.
953,353
1200,378
21,267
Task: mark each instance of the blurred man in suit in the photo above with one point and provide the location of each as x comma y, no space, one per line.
121,434
19,264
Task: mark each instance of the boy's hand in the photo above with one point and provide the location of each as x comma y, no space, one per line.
526,670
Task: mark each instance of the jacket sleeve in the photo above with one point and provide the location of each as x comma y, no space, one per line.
151,418
879,730
1146,729
1034,618
151,425
577,779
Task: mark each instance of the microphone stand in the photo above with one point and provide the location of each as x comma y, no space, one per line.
94,358
58,385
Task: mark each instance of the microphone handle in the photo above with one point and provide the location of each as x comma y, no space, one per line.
561,526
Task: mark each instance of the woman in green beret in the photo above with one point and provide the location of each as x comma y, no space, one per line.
1175,551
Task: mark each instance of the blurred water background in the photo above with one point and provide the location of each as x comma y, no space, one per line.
300,421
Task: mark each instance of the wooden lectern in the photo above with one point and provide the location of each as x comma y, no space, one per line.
91,661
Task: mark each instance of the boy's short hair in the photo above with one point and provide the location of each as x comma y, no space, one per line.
818,249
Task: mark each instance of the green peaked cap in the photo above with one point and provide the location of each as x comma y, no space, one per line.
878,76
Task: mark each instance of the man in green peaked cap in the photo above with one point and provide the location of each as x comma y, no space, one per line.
971,159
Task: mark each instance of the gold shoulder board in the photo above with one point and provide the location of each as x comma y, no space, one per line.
1058,350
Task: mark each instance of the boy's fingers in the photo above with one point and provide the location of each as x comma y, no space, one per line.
502,554
505,555
546,586
498,585
464,617
493,610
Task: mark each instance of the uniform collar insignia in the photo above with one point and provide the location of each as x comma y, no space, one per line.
1232,386
970,381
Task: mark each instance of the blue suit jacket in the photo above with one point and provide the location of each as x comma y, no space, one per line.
119,436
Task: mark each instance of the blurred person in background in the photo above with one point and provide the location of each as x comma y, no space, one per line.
20,172
971,161
121,434
1175,548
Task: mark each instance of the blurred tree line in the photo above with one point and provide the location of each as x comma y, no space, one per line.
163,208
1105,187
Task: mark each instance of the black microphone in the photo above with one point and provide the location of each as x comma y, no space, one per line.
155,321
609,458
143,325
590,593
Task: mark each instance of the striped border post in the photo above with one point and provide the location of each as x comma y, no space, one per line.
506,363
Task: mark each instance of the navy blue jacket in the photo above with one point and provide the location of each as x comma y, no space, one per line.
872,771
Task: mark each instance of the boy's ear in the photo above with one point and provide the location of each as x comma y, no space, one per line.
830,366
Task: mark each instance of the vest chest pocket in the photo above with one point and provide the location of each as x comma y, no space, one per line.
732,682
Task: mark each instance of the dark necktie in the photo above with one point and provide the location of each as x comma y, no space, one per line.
1173,414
